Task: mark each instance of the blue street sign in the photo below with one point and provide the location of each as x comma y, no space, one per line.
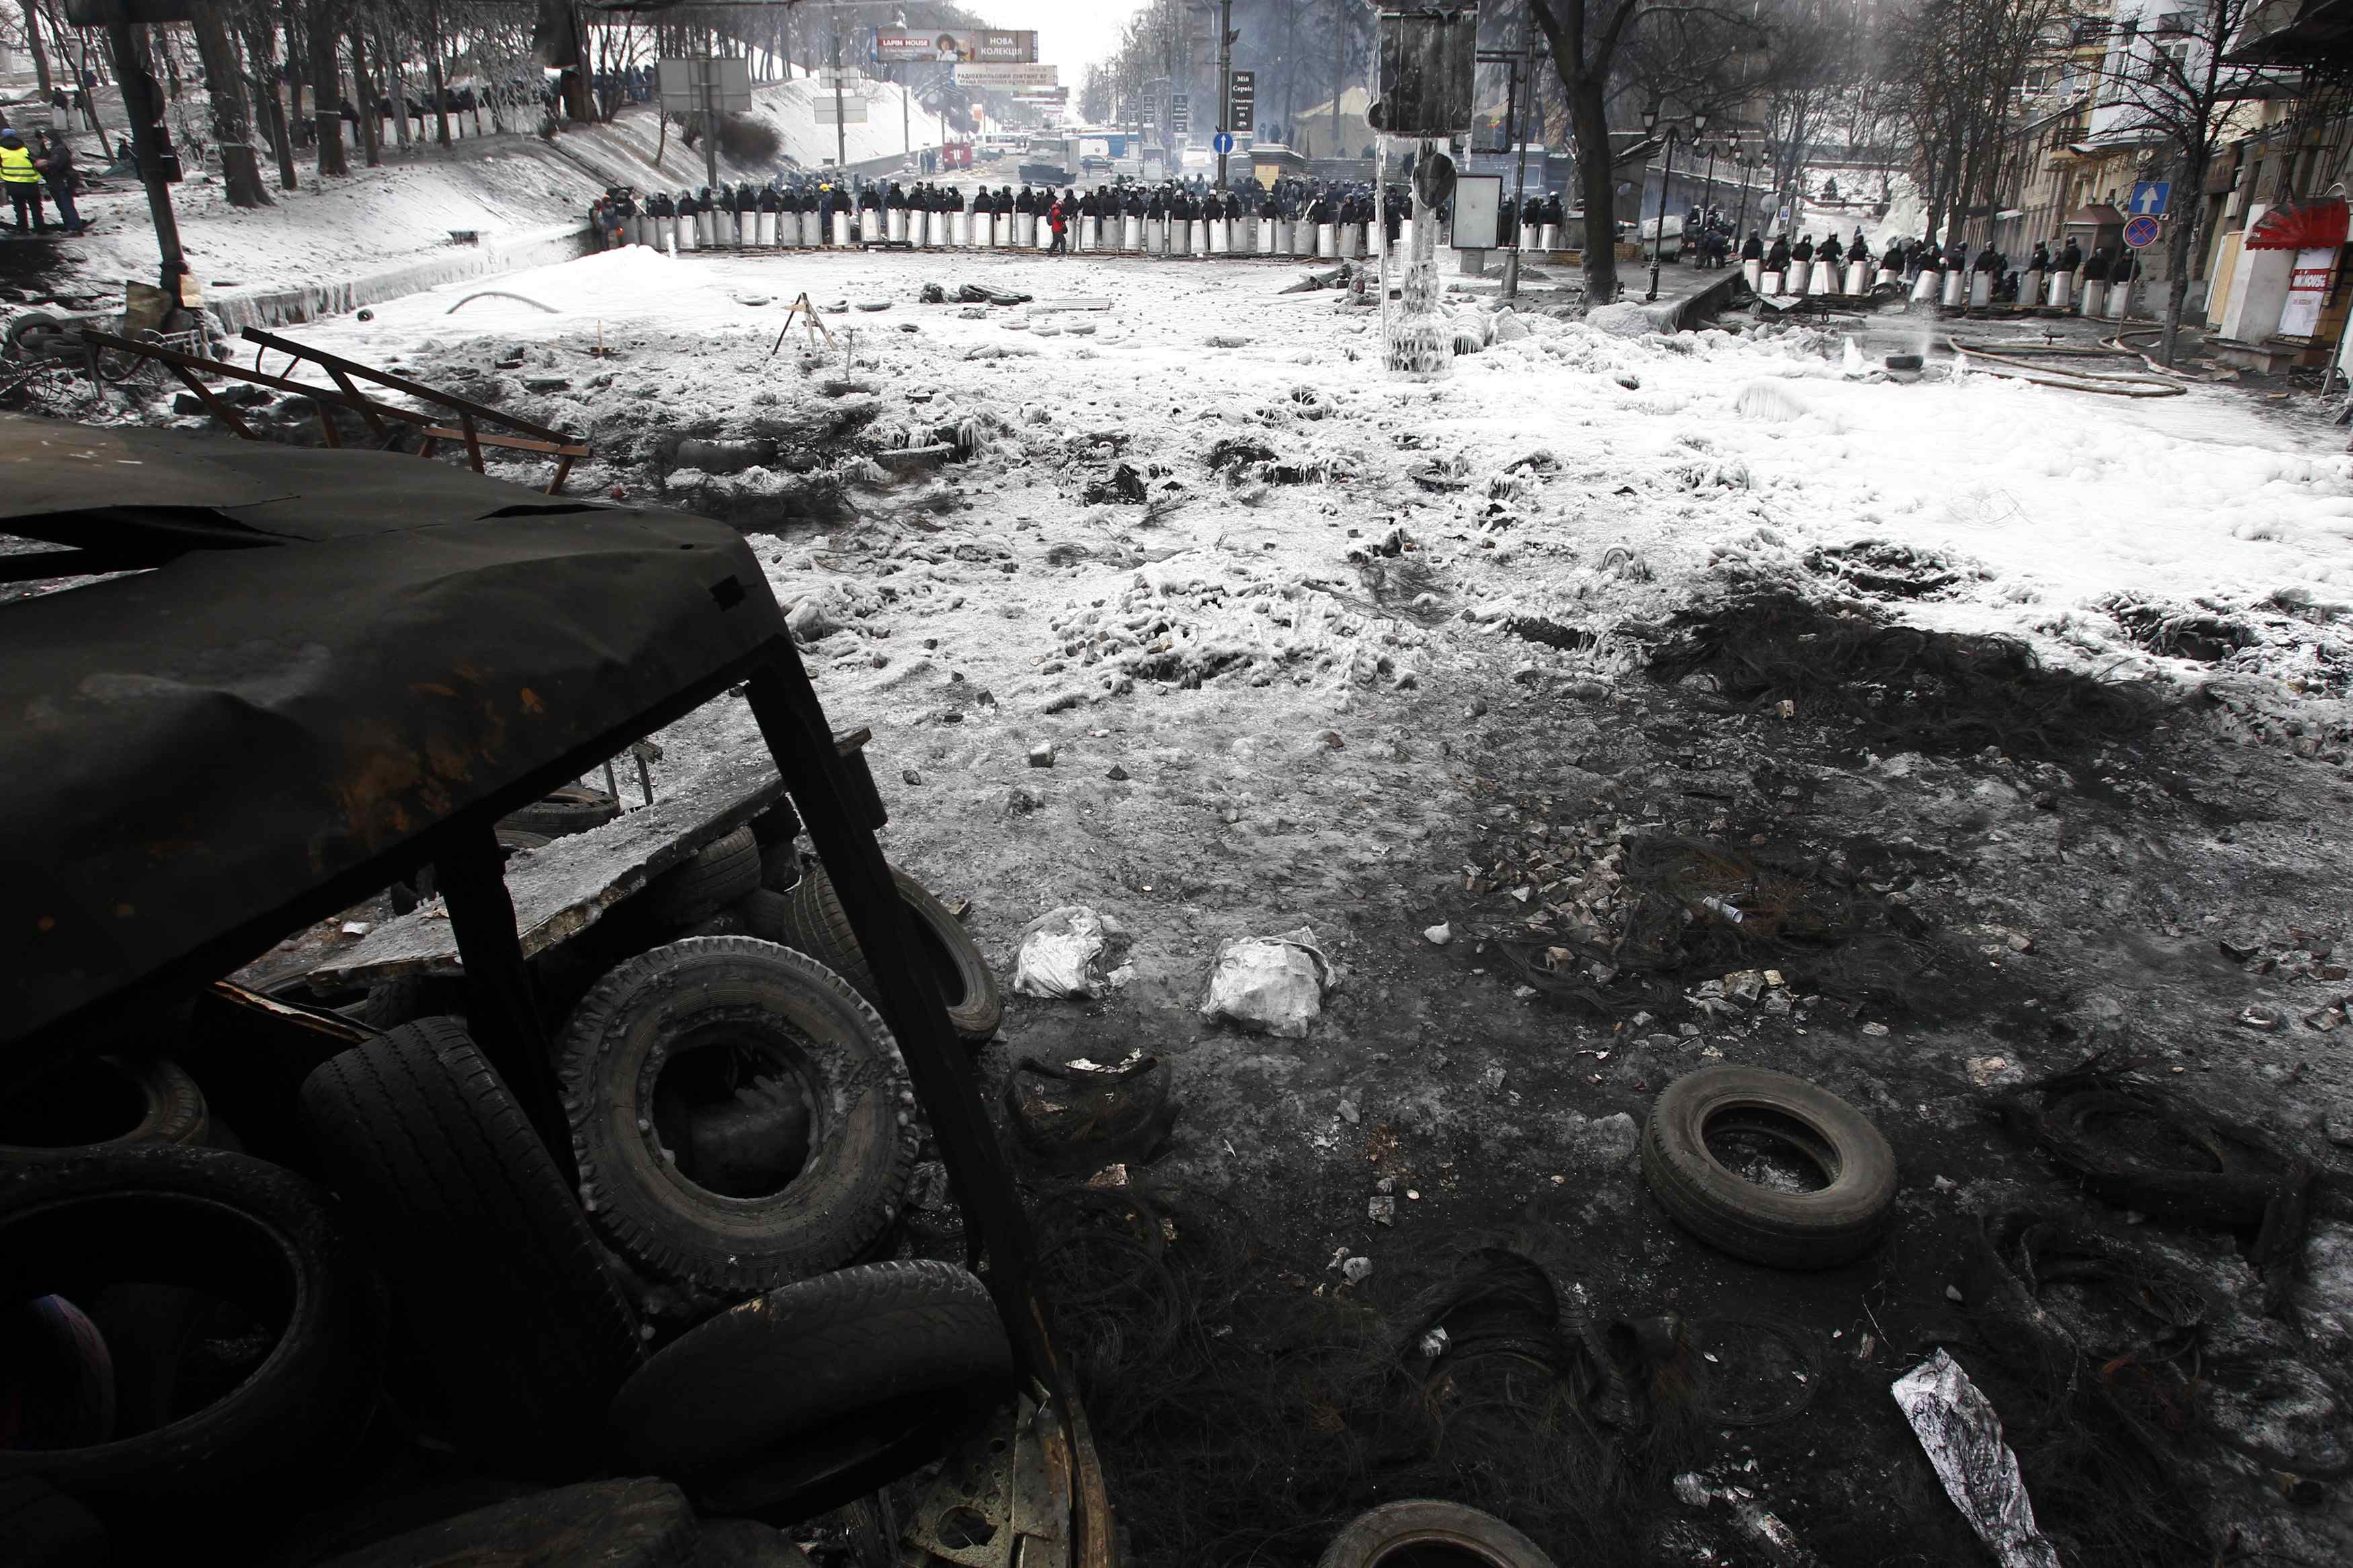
2148,198
1222,142
2141,233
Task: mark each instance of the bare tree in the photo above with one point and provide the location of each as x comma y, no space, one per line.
232,116
2166,81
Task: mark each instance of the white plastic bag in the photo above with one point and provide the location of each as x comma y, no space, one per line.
1962,1435
1272,984
1062,952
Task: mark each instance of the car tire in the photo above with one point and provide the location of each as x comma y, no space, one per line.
643,1523
240,1230
1817,1229
574,808
33,335
765,1407
525,1334
717,874
101,1102
1395,1529
767,915
820,928
784,1013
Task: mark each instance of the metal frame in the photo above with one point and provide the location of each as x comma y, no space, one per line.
466,415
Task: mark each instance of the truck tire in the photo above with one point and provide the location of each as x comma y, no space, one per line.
721,872
241,1231
524,1332
1818,1229
819,927
761,1408
642,1523
574,808
98,1103
1393,1533
701,1031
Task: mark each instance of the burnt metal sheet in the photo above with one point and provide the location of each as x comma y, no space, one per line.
1427,64
205,746
564,888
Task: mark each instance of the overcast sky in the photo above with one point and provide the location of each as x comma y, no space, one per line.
1070,33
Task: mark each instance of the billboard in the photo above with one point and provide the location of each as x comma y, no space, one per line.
896,44
1008,74
852,111
1426,61
681,83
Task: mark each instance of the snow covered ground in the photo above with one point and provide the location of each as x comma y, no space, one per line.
1304,645
1712,456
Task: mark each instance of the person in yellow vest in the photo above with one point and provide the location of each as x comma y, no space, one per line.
23,180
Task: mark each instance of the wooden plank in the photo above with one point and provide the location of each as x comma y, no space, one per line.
401,383
562,472
473,439
327,427
568,887
513,443
218,409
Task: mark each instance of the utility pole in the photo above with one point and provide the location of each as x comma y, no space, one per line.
1225,81
840,130
710,123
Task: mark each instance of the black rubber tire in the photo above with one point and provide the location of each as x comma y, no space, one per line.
167,1106
40,1527
504,1288
1786,1230
818,927
1374,1536
236,1229
643,1523
717,874
759,1402
766,914
780,866
381,1006
33,335
574,808
861,1145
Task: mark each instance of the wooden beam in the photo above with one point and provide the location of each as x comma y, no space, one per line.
366,405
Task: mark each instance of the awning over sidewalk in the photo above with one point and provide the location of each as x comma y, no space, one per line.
2099,215
2301,226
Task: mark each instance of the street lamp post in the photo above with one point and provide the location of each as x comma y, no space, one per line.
1666,187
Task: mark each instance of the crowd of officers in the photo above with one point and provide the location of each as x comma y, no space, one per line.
1949,274
1293,217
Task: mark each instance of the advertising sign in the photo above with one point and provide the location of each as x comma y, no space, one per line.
2308,291
1477,198
906,44
1242,101
1180,112
1008,74
1426,60
853,111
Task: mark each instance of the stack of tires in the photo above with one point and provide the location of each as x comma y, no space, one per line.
190,1334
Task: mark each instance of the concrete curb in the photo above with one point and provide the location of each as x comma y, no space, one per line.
283,306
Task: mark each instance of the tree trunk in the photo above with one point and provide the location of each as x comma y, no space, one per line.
41,52
1339,70
2178,246
397,91
232,116
326,90
261,48
433,81
1597,180
363,98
